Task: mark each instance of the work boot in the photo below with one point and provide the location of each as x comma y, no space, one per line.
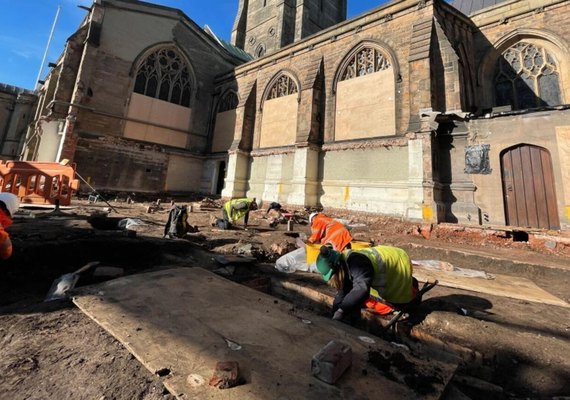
213,220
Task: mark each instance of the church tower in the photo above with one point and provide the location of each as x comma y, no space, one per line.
264,26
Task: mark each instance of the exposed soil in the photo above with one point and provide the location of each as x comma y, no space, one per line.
397,368
52,351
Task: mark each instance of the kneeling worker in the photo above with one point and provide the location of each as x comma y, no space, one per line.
375,277
234,210
326,230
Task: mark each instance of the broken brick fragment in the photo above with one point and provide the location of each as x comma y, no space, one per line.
331,361
226,375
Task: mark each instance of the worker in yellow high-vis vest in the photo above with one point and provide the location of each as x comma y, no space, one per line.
234,210
378,277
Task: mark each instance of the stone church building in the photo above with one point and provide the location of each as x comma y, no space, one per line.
418,109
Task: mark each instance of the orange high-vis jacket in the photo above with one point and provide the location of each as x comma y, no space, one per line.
328,230
5,242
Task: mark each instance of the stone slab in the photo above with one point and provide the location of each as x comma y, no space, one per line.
502,285
181,322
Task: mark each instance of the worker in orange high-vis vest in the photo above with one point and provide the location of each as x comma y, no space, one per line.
326,230
9,204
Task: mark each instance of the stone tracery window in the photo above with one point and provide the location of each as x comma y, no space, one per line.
527,76
229,102
284,86
165,75
366,61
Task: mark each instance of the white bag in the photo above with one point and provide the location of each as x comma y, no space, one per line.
295,260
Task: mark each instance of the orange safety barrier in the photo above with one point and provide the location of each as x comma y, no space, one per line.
38,182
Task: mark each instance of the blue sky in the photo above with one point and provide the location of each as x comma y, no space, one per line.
25,26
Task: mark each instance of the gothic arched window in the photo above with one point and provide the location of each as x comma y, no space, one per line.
283,86
165,75
527,76
364,62
229,102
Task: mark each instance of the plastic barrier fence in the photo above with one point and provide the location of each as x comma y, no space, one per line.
38,182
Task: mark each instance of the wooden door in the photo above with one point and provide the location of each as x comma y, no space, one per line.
528,187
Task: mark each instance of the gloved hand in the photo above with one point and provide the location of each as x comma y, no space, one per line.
338,315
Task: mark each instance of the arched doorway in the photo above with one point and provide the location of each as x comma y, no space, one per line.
221,177
528,187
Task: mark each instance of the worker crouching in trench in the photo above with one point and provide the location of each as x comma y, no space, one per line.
328,231
233,211
379,278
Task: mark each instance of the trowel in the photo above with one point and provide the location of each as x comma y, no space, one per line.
66,282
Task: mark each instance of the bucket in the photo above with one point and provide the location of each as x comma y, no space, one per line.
312,252
357,245
313,249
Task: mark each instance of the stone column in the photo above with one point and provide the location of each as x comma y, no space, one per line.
461,199
421,204
304,185
237,173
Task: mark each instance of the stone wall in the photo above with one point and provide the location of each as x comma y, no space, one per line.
544,22
312,16
389,27
548,130
97,74
385,177
16,111
265,26
116,164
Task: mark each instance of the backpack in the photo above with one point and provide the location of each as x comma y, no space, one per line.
177,224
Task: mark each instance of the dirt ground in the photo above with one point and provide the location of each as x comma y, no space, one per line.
50,350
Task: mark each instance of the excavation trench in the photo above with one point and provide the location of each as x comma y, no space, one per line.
34,267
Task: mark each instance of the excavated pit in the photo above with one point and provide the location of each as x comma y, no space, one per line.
33,268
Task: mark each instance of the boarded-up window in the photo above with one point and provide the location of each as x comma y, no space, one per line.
225,123
152,118
365,97
279,123
527,76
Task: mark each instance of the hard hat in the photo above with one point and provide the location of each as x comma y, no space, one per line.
313,215
11,201
327,262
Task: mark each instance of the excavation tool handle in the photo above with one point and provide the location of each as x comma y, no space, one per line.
425,288
86,267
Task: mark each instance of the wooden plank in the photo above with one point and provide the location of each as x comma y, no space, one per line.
549,186
530,170
185,320
508,189
519,187
503,286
